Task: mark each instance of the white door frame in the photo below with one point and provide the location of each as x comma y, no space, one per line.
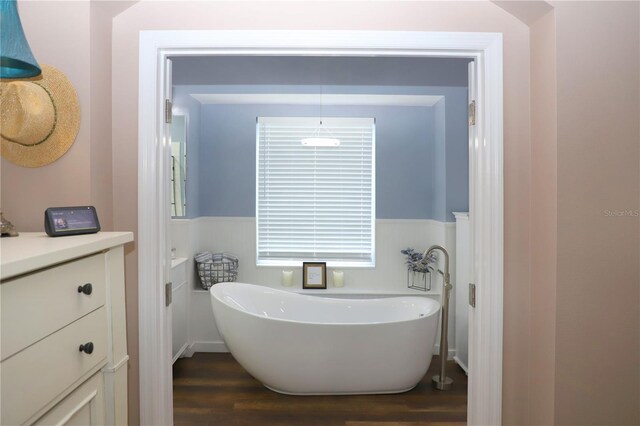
485,191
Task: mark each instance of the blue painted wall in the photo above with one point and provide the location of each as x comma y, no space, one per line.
439,167
456,154
404,144
421,152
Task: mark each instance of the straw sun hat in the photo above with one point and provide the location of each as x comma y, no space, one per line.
39,118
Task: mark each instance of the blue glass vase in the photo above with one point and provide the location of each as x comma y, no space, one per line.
16,59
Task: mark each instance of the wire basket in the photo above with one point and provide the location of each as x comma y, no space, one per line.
216,268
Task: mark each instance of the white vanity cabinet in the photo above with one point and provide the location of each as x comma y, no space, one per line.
179,303
63,352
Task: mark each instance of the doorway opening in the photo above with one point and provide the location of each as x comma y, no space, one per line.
485,190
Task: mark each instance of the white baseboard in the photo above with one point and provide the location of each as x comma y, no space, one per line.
181,352
451,354
221,347
205,347
462,365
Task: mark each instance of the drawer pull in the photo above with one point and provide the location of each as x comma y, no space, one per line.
86,289
87,348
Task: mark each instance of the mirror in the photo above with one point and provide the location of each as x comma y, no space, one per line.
178,166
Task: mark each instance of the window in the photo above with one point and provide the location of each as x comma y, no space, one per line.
315,203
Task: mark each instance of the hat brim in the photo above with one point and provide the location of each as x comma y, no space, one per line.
67,124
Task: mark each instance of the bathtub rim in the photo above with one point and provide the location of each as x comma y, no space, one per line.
307,296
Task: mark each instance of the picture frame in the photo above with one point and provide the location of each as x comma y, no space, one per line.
314,275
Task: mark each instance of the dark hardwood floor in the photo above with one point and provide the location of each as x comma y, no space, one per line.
213,389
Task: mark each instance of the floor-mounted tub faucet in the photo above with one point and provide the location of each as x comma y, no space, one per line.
441,381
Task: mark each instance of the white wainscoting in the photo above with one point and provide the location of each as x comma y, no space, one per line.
463,278
237,235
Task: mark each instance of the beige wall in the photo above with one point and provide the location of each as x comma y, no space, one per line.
585,136
544,219
597,360
26,193
101,14
78,42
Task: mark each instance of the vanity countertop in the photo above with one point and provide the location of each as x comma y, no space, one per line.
34,250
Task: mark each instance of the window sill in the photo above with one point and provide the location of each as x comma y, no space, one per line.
330,264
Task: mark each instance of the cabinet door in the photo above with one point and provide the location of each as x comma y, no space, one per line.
82,407
179,320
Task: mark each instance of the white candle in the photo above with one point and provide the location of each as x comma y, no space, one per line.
287,278
338,278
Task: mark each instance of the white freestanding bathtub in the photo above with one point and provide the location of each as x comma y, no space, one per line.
308,345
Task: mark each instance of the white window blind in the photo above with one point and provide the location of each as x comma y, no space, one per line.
315,203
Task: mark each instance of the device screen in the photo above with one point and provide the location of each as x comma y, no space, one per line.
73,220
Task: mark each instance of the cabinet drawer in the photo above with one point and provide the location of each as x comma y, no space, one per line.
35,376
38,304
83,407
